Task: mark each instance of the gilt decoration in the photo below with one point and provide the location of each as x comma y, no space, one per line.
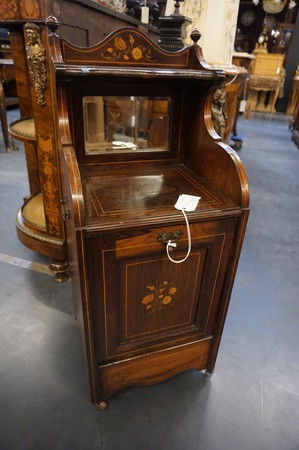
36,57
219,110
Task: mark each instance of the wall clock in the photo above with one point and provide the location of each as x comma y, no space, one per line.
247,18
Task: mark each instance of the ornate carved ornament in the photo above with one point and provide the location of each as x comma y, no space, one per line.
36,57
219,110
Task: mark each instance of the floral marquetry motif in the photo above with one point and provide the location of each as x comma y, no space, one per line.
29,9
50,193
128,50
159,296
19,9
124,47
8,10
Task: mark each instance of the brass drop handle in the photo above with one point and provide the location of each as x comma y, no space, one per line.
169,236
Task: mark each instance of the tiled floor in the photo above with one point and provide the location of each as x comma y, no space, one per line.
252,400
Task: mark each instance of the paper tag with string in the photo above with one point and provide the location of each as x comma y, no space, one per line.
184,203
242,106
187,202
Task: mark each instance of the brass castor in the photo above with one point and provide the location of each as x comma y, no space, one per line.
102,405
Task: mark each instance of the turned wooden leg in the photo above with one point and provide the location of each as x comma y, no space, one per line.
60,268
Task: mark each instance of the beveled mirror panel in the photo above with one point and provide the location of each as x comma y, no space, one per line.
123,124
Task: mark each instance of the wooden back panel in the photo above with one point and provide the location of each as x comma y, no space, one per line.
128,47
124,47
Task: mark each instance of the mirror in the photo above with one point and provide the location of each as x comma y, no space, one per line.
118,124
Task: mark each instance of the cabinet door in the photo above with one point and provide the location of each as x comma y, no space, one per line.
143,302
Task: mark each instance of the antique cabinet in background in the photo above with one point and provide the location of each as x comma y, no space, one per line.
136,132
39,222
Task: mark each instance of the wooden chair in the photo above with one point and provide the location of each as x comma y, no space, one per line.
265,81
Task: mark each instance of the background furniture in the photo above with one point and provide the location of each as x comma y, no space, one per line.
8,96
295,134
294,93
293,108
234,94
243,61
8,90
265,82
85,22
144,318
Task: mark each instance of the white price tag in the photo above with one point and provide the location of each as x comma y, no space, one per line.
242,106
144,14
187,202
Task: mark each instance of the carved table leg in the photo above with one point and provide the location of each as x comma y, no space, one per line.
60,268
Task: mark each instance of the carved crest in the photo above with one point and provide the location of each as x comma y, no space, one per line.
125,47
219,110
36,57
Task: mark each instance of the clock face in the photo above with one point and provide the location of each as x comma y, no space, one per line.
270,22
247,18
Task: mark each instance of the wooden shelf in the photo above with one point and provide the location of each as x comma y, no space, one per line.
32,232
145,194
23,130
33,213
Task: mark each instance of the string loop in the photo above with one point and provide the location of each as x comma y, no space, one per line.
173,244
